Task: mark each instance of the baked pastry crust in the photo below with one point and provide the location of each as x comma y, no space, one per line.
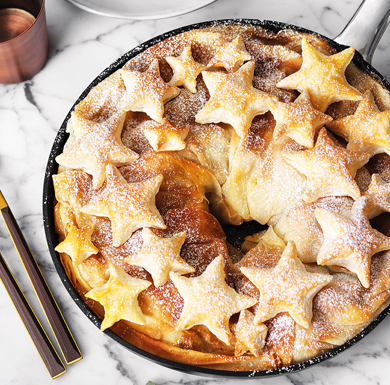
211,128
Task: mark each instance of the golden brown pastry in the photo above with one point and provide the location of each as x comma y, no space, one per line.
212,128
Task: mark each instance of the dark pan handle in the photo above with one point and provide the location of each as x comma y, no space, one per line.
366,27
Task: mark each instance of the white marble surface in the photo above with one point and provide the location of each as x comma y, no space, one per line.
82,45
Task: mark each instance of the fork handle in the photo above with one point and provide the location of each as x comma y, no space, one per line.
57,322
40,339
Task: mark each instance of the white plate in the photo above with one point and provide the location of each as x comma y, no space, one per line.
140,9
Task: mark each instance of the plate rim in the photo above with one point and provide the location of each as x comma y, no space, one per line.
102,11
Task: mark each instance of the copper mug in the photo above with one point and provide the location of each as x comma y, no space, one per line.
23,39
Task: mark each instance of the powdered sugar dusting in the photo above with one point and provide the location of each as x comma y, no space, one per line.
172,192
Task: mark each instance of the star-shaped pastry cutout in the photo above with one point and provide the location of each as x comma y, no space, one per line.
377,197
298,120
368,129
119,297
330,169
249,337
73,188
160,256
129,206
96,146
230,55
287,287
78,244
185,70
147,92
165,137
233,99
322,77
209,301
349,242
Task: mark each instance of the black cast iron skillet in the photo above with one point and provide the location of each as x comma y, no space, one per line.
365,37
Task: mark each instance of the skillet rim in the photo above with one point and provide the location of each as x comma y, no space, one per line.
48,205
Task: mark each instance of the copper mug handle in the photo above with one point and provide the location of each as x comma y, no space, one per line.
24,55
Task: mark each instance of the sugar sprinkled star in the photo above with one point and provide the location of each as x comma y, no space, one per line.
286,288
119,297
161,255
147,92
322,77
218,301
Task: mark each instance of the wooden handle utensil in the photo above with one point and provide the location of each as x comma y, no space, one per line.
56,320
38,335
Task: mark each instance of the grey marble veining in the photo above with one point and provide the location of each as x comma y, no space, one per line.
81,46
